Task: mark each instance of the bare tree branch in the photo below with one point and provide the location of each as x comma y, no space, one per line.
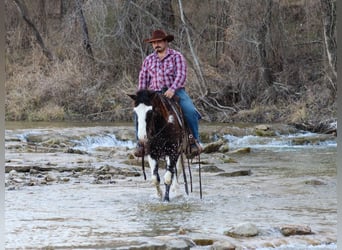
329,23
201,84
24,13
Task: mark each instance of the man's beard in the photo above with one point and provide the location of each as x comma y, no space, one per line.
158,49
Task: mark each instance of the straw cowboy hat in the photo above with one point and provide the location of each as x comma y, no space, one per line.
159,35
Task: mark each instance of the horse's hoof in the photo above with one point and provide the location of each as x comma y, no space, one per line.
166,199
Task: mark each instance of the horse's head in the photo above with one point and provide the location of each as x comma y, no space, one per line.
143,105
153,114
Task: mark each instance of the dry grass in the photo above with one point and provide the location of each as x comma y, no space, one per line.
72,86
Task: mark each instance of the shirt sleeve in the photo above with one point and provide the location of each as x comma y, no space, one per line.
144,76
180,72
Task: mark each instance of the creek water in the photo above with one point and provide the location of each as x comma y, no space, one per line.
289,184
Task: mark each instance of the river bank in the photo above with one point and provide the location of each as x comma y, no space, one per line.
73,187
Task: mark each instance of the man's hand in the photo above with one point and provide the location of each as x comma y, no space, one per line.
169,93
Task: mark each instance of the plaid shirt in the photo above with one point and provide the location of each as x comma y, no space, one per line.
169,72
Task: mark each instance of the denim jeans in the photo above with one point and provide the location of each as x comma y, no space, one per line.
190,113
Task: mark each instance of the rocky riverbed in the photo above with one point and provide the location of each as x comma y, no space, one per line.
79,187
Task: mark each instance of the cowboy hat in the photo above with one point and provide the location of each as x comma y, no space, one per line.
159,35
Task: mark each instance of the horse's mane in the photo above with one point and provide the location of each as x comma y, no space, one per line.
169,107
160,104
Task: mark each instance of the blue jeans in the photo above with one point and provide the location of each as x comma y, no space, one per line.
190,113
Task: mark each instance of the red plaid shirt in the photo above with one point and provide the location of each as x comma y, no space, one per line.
169,72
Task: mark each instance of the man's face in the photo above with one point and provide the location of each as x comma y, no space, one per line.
159,46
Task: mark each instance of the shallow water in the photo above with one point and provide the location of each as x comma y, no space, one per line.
282,189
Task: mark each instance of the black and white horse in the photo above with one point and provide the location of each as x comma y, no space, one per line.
161,131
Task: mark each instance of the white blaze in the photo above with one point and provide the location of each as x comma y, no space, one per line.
141,111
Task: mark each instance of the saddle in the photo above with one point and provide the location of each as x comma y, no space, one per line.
190,145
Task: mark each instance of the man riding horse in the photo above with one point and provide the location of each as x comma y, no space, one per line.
165,71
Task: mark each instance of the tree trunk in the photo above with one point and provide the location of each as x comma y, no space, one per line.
329,29
261,45
86,40
24,13
167,16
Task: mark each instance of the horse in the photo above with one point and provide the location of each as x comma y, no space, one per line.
162,131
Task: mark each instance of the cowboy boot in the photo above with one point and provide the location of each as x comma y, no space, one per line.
195,147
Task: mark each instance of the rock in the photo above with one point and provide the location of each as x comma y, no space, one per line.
265,133
33,171
126,135
106,169
229,160
15,160
224,148
19,168
103,149
75,151
181,231
288,230
104,177
13,173
264,130
211,169
262,127
222,245
214,146
241,151
206,137
17,180
204,242
50,177
175,243
12,138
314,182
36,138
32,183
236,173
246,229
312,140
53,142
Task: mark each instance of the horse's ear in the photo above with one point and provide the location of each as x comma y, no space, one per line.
134,97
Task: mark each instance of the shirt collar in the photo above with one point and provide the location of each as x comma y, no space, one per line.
168,52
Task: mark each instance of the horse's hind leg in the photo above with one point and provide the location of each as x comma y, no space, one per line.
155,175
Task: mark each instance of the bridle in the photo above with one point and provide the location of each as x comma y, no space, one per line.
166,103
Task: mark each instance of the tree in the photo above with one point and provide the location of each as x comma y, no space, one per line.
85,34
329,33
25,15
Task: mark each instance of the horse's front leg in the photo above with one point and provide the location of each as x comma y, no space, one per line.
168,177
155,175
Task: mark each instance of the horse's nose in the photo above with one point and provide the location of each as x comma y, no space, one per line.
143,142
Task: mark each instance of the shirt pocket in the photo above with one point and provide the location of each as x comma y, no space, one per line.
169,69
153,69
